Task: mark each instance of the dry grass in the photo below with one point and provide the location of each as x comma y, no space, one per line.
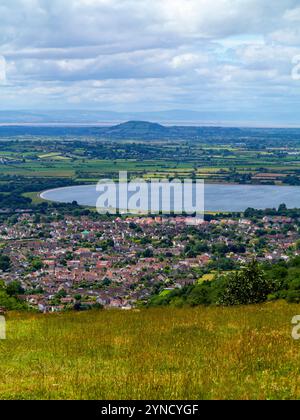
202,353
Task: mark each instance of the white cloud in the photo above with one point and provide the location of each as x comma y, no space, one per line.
149,53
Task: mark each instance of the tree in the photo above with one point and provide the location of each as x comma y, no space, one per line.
248,286
10,303
36,264
282,209
5,263
106,282
148,253
77,306
220,249
61,294
14,288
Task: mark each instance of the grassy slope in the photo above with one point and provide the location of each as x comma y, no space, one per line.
202,353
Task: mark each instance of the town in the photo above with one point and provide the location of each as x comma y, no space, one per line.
66,262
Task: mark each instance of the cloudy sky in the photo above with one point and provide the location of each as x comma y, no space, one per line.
235,58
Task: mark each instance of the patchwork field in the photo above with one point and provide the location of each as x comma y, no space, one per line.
229,156
202,353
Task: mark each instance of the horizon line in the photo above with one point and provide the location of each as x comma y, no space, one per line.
170,123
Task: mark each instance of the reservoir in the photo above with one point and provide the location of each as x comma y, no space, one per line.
218,197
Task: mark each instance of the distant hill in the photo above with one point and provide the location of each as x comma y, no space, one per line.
181,117
144,130
138,129
138,125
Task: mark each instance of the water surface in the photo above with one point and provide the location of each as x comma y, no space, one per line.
218,197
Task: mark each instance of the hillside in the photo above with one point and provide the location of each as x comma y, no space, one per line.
149,131
138,129
201,353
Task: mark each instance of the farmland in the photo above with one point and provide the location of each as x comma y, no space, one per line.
224,155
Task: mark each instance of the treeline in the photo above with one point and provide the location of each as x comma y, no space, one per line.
20,185
13,188
281,211
14,201
252,284
251,213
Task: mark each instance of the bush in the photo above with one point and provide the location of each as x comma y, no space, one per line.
14,288
248,286
10,303
293,296
199,296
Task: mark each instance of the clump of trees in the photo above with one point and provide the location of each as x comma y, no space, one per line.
287,277
255,283
281,211
9,296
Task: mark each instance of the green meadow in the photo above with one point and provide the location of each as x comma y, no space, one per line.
159,353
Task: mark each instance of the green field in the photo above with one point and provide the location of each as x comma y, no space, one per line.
230,160
94,168
35,197
202,353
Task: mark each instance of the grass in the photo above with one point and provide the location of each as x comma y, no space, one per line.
54,156
202,353
54,165
207,277
35,197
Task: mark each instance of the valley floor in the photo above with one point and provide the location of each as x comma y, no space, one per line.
201,353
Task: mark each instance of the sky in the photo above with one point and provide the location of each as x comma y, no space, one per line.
237,60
